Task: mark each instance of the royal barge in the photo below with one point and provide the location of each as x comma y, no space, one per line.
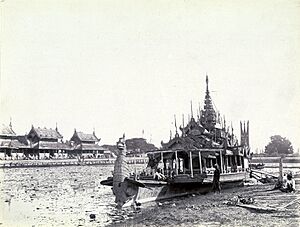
186,161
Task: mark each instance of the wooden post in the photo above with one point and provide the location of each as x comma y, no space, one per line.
225,162
134,166
176,163
162,160
221,159
280,178
242,163
191,164
200,162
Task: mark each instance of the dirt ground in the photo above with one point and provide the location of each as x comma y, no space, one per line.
212,209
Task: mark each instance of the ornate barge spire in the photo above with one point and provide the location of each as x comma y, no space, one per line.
208,115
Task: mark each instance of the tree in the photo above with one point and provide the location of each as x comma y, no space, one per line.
139,145
279,146
133,146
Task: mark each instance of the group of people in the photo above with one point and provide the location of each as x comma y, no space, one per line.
216,178
287,185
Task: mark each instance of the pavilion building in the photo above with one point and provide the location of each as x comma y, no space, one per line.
45,143
12,146
86,145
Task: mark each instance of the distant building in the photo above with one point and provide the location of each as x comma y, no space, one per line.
86,145
11,145
45,143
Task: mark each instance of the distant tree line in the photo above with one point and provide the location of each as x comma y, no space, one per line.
134,146
279,146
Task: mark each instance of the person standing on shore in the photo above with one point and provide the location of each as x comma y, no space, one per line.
216,180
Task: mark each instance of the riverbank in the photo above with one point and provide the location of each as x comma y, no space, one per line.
212,210
67,162
272,162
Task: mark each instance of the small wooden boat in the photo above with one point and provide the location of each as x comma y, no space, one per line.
257,165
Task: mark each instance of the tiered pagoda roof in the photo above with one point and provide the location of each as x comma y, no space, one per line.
208,116
204,133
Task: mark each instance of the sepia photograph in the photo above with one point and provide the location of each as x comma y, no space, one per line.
149,113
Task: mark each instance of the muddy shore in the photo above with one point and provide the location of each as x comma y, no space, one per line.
212,210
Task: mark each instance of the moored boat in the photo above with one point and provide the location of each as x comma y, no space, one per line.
257,165
185,164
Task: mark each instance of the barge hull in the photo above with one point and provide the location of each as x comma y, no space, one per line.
160,190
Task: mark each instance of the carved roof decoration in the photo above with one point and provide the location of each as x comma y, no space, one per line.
206,132
6,130
192,127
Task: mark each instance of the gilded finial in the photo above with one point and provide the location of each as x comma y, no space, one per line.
182,124
207,83
191,109
176,132
10,124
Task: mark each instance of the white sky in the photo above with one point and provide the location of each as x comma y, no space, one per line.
125,66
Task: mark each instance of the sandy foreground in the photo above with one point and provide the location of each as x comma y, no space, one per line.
212,209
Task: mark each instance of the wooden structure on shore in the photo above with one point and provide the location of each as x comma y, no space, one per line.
11,145
55,163
68,162
45,143
86,145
